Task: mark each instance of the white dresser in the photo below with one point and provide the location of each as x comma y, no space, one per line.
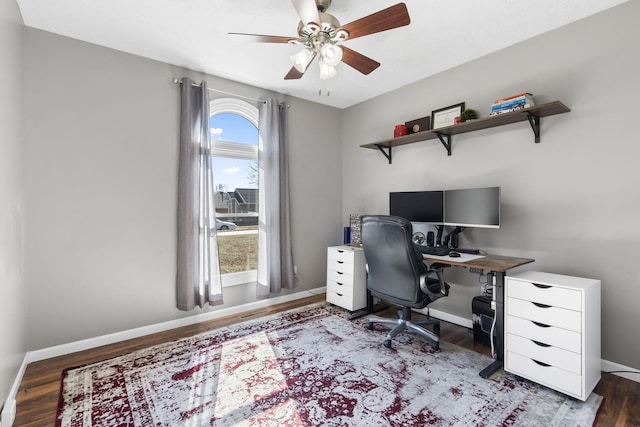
346,277
552,331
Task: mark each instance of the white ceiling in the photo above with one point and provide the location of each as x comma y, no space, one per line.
194,34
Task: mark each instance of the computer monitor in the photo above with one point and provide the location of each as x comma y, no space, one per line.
472,207
417,206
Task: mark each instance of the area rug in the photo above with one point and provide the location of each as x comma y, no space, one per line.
307,367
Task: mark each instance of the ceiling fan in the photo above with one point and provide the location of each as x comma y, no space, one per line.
320,34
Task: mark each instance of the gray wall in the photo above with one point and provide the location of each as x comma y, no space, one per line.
571,202
13,294
101,150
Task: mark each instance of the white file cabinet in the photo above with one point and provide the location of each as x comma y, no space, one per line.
552,331
346,277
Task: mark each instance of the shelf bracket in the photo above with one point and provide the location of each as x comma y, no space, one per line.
534,121
386,154
447,145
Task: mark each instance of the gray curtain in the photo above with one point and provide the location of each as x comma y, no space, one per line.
275,260
198,277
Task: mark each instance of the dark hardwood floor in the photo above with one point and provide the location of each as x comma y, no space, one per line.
37,398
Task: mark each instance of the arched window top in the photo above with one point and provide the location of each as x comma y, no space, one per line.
234,106
233,121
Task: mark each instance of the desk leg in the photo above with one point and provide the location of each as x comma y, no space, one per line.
499,328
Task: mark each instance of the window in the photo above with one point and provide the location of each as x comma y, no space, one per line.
234,140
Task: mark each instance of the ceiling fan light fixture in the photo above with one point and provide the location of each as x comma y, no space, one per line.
301,60
331,54
326,70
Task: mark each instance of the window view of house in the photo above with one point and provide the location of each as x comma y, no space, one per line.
234,141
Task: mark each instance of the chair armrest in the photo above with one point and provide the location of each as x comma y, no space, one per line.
437,270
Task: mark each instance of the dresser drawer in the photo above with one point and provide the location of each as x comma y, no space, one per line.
350,302
550,376
551,335
340,266
344,301
342,255
344,278
339,288
549,315
545,294
558,357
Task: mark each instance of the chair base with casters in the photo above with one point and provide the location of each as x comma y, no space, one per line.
404,323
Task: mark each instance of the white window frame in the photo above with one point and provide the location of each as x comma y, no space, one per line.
235,150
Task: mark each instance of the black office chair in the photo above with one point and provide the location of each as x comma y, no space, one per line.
397,274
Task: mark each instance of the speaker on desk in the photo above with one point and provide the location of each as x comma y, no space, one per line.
430,237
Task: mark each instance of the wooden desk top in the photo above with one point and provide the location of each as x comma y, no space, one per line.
487,262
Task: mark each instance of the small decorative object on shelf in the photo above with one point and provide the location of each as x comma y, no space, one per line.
469,114
400,130
419,125
512,103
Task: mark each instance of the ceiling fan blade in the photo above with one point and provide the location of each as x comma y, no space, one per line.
293,74
262,38
307,10
386,19
358,61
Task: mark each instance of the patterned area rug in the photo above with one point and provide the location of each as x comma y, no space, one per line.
307,367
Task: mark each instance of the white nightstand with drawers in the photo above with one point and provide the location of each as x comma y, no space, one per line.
552,331
346,277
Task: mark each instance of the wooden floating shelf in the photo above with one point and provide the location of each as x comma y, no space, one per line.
531,114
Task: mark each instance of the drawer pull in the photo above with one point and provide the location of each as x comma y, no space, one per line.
537,304
340,295
542,325
339,272
541,344
541,363
339,284
537,285
340,262
340,252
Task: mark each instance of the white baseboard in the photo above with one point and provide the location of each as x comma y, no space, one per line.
59,350
451,318
607,366
8,414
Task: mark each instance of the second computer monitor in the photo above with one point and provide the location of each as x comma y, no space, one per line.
472,207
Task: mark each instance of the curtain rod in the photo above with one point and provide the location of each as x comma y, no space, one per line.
179,81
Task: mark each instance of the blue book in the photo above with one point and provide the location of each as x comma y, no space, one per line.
512,103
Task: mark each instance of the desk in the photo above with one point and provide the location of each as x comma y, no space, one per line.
498,267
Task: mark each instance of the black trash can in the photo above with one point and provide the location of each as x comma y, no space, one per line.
482,317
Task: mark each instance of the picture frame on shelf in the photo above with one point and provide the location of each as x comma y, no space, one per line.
446,116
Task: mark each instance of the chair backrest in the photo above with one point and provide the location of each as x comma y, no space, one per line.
393,261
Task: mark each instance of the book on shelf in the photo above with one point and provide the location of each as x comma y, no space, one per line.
512,103
524,94
510,109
